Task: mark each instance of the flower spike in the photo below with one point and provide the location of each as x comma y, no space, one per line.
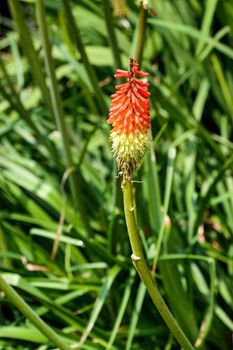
130,119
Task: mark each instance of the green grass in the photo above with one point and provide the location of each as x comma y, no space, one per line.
63,238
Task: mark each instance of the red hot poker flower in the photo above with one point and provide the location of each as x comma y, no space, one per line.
130,119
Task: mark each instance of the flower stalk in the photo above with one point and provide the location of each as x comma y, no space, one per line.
111,32
59,114
131,137
23,307
140,34
139,262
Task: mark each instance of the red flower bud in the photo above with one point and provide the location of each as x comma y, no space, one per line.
130,119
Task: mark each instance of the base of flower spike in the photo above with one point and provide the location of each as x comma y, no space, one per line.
129,150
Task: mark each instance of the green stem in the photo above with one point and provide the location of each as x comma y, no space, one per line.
29,50
111,33
16,300
17,105
74,30
143,271
140,35
59,113
117,196
6,260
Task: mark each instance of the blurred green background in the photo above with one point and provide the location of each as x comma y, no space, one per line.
63,239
